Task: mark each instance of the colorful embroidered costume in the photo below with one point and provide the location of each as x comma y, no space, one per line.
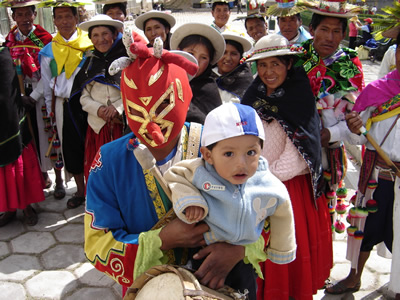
376,215
27,50
336,81
125,202
119,213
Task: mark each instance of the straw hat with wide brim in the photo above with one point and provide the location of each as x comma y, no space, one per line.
99,20
18,3
338,9
61,3
139,22
108,1
272,45
392,33
353,19
246,44
285,9
210,33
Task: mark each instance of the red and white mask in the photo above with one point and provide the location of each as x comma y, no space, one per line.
156,94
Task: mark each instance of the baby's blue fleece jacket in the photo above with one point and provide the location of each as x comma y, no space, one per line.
236,213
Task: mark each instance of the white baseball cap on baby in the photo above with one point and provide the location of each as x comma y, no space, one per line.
230,120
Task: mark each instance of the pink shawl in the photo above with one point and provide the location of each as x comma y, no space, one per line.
379,91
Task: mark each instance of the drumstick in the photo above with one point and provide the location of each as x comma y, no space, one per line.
20,76
51,144
148,162
380,151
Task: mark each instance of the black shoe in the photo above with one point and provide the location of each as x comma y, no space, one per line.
7,217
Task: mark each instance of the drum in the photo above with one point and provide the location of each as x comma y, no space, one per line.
167,282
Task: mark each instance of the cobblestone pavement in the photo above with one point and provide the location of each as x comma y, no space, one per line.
47,261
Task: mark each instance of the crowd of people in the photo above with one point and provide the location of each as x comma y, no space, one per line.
200,147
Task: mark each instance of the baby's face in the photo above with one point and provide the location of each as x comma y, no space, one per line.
235,159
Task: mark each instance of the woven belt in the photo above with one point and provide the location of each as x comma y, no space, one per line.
385,172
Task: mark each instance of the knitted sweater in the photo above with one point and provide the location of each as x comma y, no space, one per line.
284,160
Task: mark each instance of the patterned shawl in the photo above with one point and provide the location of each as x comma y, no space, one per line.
27,51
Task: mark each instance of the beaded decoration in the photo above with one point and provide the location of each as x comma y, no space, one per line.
292,48
55,152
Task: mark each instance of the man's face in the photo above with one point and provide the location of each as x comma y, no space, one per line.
65,21
289,26
221,14
327,36
24,17
256,28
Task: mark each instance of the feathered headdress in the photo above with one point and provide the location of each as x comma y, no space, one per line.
18,3
59,3
331,8
285,8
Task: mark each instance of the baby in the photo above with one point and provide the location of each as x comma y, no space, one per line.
231,187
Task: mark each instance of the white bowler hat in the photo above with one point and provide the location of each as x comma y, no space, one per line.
210,33
99,20
139,22
272,45
246,44
231,120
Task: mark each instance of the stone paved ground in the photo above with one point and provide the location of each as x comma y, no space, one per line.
47,261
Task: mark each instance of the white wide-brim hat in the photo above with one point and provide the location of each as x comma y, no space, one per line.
272,45
139,22
338,9
210,33
18,3
101,20
246,44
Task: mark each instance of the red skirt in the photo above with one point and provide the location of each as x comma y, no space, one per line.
21,182
94,141
302,278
